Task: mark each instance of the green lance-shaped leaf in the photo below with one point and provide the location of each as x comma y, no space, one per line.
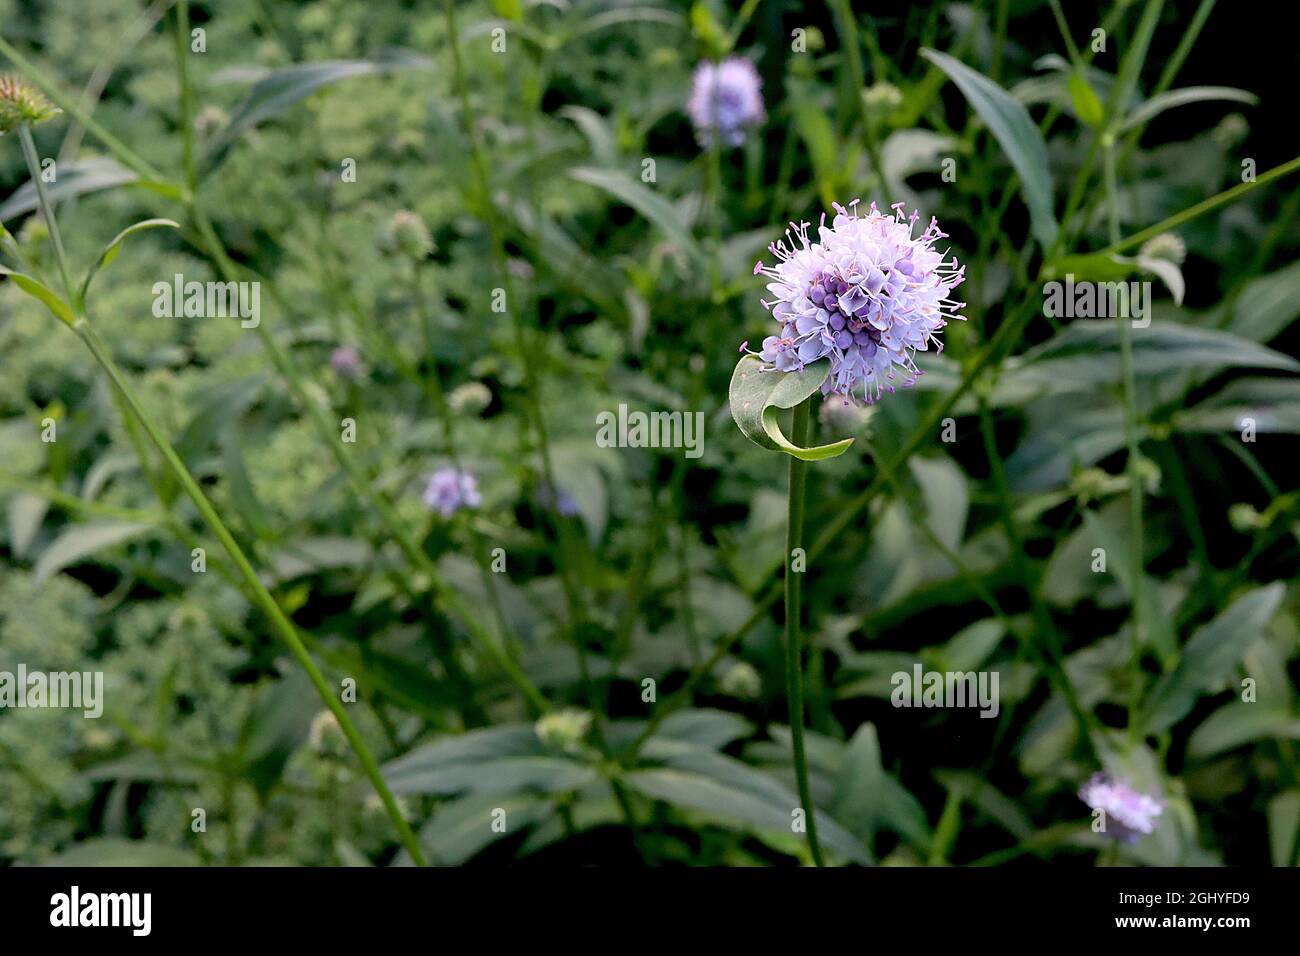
1192,94
756,395
39,290
80,178
1210,657
115,246
1009,122
277,92
82,541
650,204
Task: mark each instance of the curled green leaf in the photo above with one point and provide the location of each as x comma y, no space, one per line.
756,395
115,246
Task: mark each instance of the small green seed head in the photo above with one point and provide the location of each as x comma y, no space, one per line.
22,104
407,235
882,98
1245,519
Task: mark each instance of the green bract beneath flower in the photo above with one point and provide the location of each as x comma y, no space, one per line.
21,103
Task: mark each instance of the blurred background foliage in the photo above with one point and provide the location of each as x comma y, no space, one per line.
970,554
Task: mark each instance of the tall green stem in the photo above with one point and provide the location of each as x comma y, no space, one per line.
47,211
280,623
799,429
1129,383
572,597
188,155
848,30
260,595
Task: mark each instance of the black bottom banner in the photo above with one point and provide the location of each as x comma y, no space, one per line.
333,906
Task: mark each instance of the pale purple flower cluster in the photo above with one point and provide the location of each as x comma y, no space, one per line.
725,96
346,361
450,490
868,295
1130,813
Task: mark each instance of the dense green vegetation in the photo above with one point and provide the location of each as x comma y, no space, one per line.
473,234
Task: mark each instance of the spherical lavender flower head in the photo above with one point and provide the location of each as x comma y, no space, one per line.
22,104
725,96
346,361
450,490
868,295
1130,814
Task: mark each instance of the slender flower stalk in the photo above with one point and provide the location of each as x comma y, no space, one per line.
47,210
856,305
1129,384
799,430
279,621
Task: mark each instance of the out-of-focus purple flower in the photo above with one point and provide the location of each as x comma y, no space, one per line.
868,295
564,503
1130,813
725,96
450,490
346,361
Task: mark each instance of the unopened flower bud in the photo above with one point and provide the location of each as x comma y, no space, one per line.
1167,246
882,98
1244,518
470,399
742,681
563,729
407,235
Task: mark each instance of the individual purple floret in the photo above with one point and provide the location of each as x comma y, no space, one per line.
450,490
346,361
726,96
1130,813
868,294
